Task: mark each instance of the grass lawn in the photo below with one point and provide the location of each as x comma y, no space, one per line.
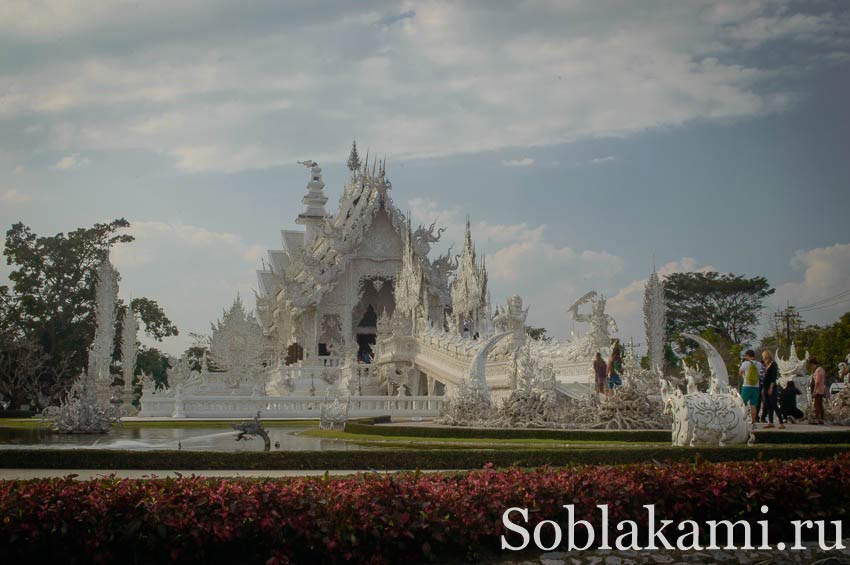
470,443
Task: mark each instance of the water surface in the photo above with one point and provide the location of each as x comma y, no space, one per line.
188,439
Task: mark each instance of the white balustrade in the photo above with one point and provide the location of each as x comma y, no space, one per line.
290,406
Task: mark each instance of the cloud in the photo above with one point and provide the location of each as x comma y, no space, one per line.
70,162
825,271
524,162
191,270
601,160
219,87
12,196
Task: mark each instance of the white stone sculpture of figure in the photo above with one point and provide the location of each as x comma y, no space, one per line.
716,417
602,325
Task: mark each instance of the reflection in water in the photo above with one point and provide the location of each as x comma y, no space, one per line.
190,439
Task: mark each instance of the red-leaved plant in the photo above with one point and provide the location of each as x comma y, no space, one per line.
387,517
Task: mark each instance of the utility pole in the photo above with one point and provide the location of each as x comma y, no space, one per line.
786,319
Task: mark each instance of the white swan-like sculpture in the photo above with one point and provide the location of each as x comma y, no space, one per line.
476,374
716,417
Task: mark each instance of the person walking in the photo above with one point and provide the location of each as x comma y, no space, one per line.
615,367
600,370
750,390
788,402
761,409
818,390
771,392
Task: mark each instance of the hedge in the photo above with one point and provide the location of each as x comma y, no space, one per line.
410,459
655,436
16,414
389,518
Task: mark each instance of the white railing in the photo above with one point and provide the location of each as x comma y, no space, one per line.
289,406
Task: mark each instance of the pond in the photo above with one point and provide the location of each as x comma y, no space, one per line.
173,437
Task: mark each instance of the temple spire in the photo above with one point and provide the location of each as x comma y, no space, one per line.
354,158
314,201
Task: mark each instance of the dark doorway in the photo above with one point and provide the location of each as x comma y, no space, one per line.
364,347
294,354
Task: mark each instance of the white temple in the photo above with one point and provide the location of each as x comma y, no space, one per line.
354,305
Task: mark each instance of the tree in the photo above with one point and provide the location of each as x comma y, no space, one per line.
53,284
195,353
537,334
153,362
830,344
729,304
48,314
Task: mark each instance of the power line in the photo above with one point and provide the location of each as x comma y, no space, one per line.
822,306
824,300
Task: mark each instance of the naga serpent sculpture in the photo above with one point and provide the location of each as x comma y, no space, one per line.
250,428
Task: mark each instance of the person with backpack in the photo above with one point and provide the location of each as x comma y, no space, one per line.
750,390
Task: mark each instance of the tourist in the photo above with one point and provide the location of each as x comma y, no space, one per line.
771,392
818,390
615,367
844,373
600,369
788,402
750,389
761,409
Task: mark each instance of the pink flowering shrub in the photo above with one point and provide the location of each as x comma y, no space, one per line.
385,518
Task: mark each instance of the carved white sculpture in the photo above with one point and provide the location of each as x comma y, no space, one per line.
469,288
237,347
796,369
655,320
716,417
87,408
602,325
129,350
100,354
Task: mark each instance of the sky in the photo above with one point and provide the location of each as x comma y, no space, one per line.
585,140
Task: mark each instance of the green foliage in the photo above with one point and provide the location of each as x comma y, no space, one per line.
729,304
397,459
631,436
153,362
53,281
51,307
828,344
157,324
537,334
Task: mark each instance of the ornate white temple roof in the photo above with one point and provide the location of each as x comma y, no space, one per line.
311,261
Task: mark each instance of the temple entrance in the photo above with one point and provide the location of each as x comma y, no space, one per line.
294,354
365,343
376,297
